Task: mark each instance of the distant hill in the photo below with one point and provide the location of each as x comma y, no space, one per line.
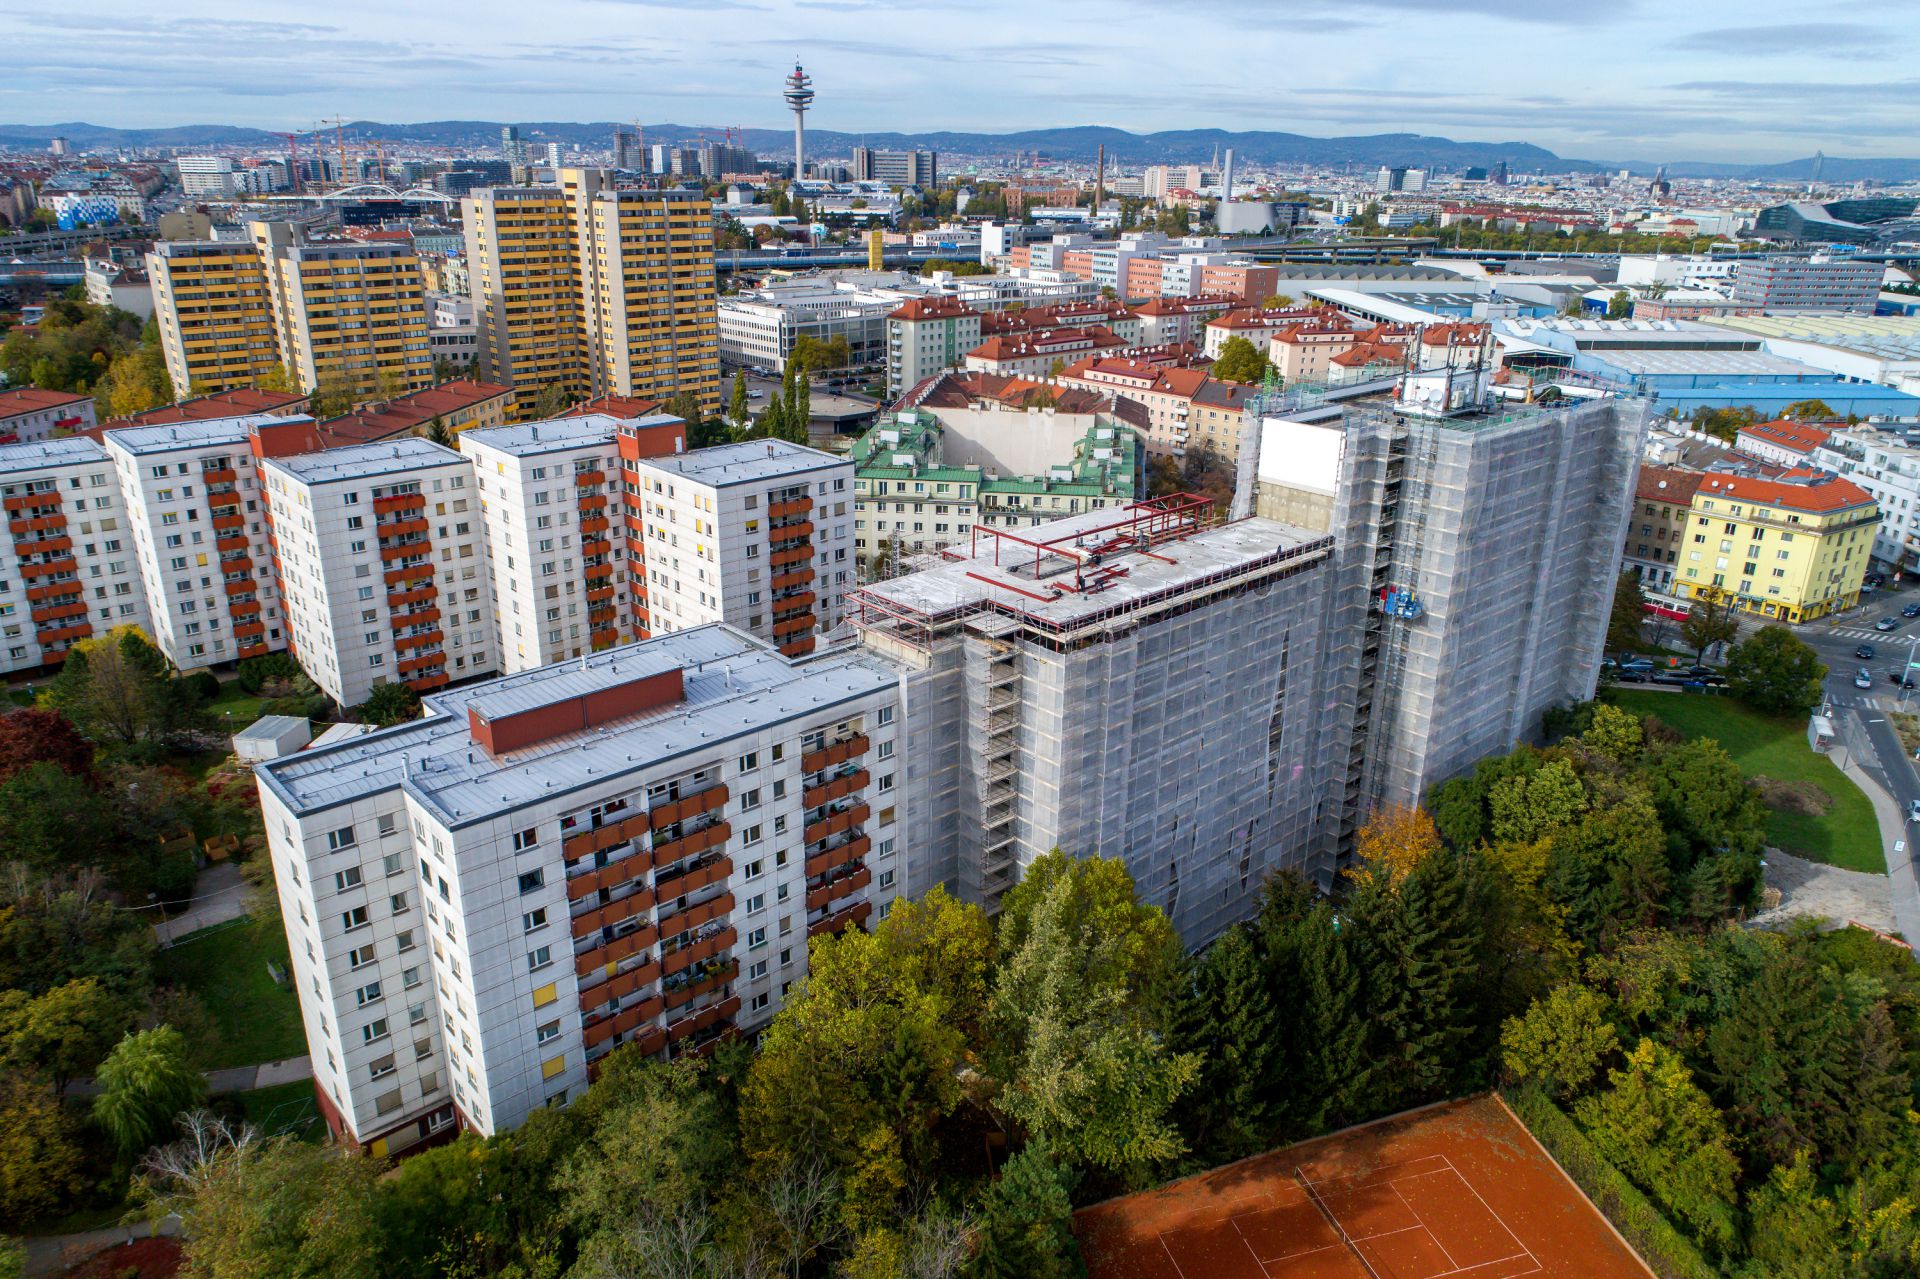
1255,147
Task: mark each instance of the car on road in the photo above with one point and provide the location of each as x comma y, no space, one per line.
1863,678
1902,678
1641,664
1911,610
1887,624
1698,669
1874,579
1864,652
1913,810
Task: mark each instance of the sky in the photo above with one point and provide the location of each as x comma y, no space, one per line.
1759,80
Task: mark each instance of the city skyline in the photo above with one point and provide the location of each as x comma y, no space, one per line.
1647,86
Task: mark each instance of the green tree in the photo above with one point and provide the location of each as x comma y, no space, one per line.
53,821
1620,305
738,411
1624,633
1613,734
1798,1231
144,1082
1026,1220
63,1034
42,1164
1656,1126
1240,361
1608,873
1526,806
549,402
1080,1010
1774,671
282,1207
1562,1040
389,704
1709,621
1228,1019
436,431
1809,411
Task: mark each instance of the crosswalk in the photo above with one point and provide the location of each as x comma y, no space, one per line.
1868,701
1866,633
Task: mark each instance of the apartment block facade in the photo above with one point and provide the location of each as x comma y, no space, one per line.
631,848
215,317
383,566
758,535
927,336
71,571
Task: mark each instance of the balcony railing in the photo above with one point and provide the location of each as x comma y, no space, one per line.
854,914
691,953
834,753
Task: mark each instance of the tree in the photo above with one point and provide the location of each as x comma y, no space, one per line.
1080,1009
1809,411
1561,1040
42,1166
1239,361
63,1034
1527,806
1608,873
280,1207
389,704
144,1082
1026,1220
1657,1127
738,410
29,736
56,822
1276,302
1227,1019
1620,305
1709,621
333,395
1624,634
1798,1232
1395,839
1774,671
1613,734
436,431
552,400
119,688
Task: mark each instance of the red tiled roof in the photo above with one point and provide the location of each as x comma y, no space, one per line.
937,308
31,399
234,402
1801,437
1461,334
620,406
1255,318
408,413
1016,346
1361,354
1667,484
958,390
1186,306
1801,489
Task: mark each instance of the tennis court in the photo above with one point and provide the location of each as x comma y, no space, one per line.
1457,1190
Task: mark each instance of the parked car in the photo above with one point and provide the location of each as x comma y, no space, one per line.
1640,664
1864,652
1913,810
1887,624
1634,676
1874,579
1911,610
1697,669
1863,678
1901,678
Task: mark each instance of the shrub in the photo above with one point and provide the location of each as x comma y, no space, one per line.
203,685
256,671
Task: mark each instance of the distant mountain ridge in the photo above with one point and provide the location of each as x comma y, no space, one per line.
1081,142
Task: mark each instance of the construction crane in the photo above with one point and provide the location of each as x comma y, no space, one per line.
293,152
340,137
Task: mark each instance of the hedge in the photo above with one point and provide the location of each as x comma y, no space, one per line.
1659,1244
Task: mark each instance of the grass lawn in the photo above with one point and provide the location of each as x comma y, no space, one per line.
226,966
236,704
284,1108
1846,835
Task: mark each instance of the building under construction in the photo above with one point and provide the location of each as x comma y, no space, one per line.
1139,683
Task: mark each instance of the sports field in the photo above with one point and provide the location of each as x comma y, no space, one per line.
1453,1190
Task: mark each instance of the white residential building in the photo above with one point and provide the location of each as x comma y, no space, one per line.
630,848
928,336
198,514
758,535
207,175
70,568
1889,469
383,564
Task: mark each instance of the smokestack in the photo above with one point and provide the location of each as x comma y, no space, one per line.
1226,179
1100,179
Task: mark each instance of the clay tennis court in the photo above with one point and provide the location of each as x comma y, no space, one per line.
1457,1190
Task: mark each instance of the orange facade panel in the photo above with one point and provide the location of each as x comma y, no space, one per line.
834,753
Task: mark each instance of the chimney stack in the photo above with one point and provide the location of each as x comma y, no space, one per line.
1100,179
1226,179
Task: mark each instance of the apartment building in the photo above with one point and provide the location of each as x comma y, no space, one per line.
215,317
1040,354
1164,319
566,564
1179,407
28,413
1889,470
629,848
758,535
383,566
348,314
594,288
928,336
1783,443
1661,520
197,508
458,406
1787,285
71,571
1793,547
1255,324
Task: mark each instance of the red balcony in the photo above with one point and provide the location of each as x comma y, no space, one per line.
828,827
705,1019
851,851
687,956
667,852
619,986
399,502
240,586
590,546
854,914
410,573
592,840
238,609
589,923
223,501
64,564
63,634
54,612
828,791
219,475
584,478
247,630
790,532
792,555
425,639
36,524
673,810
612,875
27,501
427,683
606,637
599,573
595,502
785,581
834,753
845,886
610,954
799,648
796,603
223,544
416,617
668,885
599,593
789,509
408,598
252,650
679,921
227,523
51,590
634,523
401,550
717,977
56,545
389,530
425,661
787,631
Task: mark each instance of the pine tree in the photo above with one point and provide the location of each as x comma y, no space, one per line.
737,409
1333,1025
1226,1014
800,412
1026,1223
772,423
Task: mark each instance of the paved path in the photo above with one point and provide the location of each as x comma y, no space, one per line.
1896,841
219,895
52,1254
231,1079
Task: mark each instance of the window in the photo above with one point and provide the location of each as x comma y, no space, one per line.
751,835
360,956
525,839
380,1067
367,994
345,879
757,970
884,751
532,881
749,761
543,1034
886,879
352,919
756,939
539,957
390,864
410,980
534,920
752,870
885,715
749,799
759,1001
339,839
374,1031
756,902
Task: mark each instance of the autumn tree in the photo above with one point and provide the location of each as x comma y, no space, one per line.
1709,621
30,736
1395,839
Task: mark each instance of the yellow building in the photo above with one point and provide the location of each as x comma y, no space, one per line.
231,314
1793,547
601,290
216,321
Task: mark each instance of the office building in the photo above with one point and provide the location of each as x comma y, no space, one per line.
567,564
216,320
758,535
629,848
1793,547
1478,549
595,290
1790,285
760,327
928,336
383,566
207,176
1132,682
72,570
200,530
896,168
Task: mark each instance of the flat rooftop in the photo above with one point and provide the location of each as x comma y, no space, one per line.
365,461
39,455
1082,573
556,436
752,461
1655,363
207,433
733,683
